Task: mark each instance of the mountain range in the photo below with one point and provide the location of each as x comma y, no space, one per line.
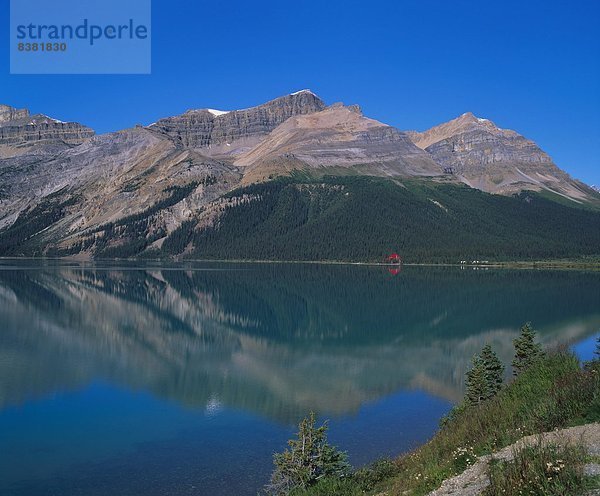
293,178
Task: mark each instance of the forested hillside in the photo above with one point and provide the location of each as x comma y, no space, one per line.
364,219
333,218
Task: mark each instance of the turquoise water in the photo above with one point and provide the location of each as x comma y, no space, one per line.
141,380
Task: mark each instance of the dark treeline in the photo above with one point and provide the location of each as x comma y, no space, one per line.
364,219
335,218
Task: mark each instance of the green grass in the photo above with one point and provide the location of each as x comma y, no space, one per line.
539,470
555,393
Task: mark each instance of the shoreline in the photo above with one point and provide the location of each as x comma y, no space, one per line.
456,459
524,264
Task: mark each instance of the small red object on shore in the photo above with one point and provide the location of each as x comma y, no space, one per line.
394,258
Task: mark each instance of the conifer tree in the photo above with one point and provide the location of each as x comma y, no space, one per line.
597,350
476,384
308,458
527,351
494,371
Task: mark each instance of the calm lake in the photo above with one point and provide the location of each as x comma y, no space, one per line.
183,380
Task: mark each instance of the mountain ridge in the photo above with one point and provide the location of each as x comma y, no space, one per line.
494,159
130,191
229,132
20,131
338,136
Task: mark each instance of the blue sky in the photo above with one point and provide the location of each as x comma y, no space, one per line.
531,66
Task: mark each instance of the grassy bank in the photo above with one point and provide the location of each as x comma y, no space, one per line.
555,392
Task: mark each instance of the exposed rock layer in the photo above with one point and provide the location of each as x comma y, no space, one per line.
8,113
495,160
337,138
19,131
226,132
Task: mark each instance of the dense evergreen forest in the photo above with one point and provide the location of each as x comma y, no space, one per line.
365,219
358,218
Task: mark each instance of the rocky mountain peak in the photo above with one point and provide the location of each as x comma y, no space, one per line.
232,132
303,91
493,159
465,123
470,121
19,131
337,138
8,113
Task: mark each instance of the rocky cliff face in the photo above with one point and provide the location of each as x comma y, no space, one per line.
19,129
133,184
8,113
337,139
495,160
229,132
469,142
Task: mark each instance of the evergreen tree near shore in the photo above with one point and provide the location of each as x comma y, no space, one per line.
494,370
308,459
476,382
484,380
527,351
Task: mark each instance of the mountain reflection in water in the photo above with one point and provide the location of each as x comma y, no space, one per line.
277,340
